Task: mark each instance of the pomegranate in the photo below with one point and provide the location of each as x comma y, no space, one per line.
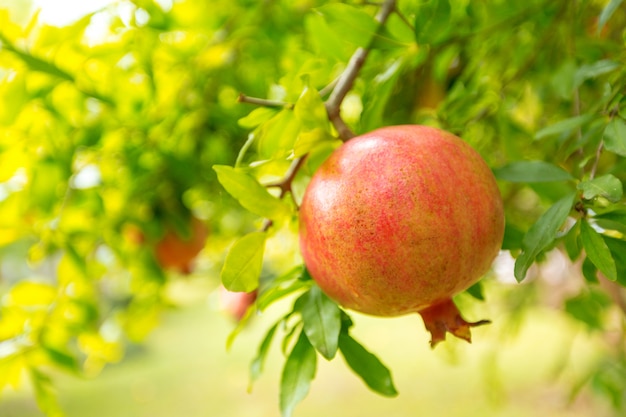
236,304
399,220
174,252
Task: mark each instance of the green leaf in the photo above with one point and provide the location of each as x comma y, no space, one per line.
310,110
44,394
618,251
256,117
257,364
322,321
309,140
250,193
597,250
277,136
612,220
590,272
476,291
298,372
531,171
607,186
615,136
282,286
594,70
367,366
432,21
244,263
606,14
572,242
542,234
352,24
564,126
589,307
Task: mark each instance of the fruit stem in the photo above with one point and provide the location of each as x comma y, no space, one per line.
445,317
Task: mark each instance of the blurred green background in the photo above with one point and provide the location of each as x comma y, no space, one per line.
516,367
145,94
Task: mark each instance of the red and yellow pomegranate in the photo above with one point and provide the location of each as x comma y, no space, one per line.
400,220
174,252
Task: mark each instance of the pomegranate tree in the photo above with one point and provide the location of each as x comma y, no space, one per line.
399,220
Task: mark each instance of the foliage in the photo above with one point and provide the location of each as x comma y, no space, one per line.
141,115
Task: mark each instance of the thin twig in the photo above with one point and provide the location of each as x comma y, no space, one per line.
263,101
347,78
594,167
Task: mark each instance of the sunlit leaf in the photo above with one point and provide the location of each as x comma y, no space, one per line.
351,23
607,186
276,137
243,264
310,110
367,366
597,250
249,193
531,171
542,234
298,372
44,394
256,117
33,294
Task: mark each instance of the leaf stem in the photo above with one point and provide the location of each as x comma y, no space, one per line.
263,102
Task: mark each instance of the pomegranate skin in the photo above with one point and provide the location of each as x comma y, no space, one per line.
400,219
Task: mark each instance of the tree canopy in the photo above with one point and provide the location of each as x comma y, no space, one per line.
189,118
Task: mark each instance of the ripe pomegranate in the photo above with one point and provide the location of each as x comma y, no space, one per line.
174,252
399,220
236,304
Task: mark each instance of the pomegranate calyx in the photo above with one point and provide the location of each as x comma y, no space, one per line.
445,317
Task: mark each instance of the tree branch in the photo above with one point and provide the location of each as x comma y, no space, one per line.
347,78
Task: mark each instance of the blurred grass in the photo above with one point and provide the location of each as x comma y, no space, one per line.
184,370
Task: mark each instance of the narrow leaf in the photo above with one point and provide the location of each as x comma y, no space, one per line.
531,171
278,287
594,70
597,250
322,321
297,375
256,117
607,186
44,394
256,367
615,136
542,234
250,193
607,12
432,20
618,251
367,366
244,262
350,23
563,126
